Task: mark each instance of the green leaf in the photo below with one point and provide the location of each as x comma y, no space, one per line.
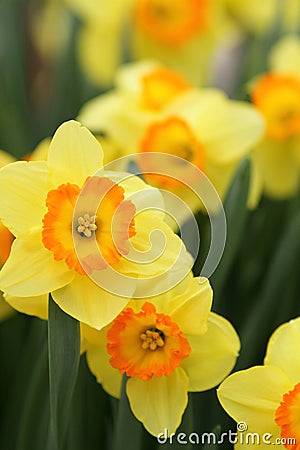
24,383
35,413
262,319
235,206
64,355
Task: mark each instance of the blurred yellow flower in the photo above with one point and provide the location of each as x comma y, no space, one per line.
267,398
276,95
154,110
54,251
168,346
180,33
43,18
261,18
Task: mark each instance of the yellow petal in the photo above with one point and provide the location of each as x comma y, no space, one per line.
5,309
31,269
213,354
221,175
129,76
283,349
5,158
34,306
231,133
40,153
278,168
285,56
88,302
155,247
98,113
195,104
98,362
99,51
255,15
92,336
162,301
74,155
256,184
180,58
253,395
191,309
23,189
160,402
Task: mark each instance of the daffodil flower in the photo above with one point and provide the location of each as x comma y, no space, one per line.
180,33
155,110
267,398
167,347
6,239
77,231
276,94
260,18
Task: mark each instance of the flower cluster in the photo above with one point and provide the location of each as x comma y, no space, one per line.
149,245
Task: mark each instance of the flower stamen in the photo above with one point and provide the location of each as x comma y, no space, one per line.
86,225
152,338
146,343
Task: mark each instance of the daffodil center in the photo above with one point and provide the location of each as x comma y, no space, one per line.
112,224
172,136
146,343
161,86
6,239
152,338
278,99
287,416
86,225
171,22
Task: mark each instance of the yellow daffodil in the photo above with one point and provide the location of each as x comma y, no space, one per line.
267,398
43,17
260,17
39,306
180,33
6,239
276,94
168,346
53,251
154,109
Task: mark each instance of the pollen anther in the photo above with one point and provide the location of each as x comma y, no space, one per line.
86,225
152,339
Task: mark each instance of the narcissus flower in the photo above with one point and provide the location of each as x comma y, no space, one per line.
167,347
267,398
260,18
155,110
78,229
6,239
276,95
180,33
